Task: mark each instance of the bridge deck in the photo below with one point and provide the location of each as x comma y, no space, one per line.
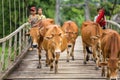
73,70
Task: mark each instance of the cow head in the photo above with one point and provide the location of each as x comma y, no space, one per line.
35,35
112,68
71,37
55,41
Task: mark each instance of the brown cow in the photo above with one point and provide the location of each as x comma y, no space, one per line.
43,24
36,41
37,33
110,45
71,30
54,43
91,33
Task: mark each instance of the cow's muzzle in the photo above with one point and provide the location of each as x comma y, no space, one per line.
34,46
69,45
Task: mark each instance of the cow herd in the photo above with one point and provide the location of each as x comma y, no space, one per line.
105,48
103,45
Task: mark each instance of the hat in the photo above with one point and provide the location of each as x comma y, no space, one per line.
33,8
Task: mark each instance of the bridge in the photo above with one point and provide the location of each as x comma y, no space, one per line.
18,63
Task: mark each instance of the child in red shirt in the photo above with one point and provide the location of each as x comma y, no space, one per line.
101,18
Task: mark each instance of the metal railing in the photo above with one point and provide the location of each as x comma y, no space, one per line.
12,46
113,25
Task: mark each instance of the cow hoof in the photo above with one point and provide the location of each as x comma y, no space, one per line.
56,72
84,62
103,75
94,61
73,58
51,69
46,65
38,67
91,59
96,68
67,60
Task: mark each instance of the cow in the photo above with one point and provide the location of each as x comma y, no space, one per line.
54,43
37,33
110,45
43,24
91,33
71,30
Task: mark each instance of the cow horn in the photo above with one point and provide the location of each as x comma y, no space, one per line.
119,61
74,32
48,37
98,36
94,37
27,34
60,34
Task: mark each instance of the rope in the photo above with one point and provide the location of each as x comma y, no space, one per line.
19,13
23,11
10,15
15,12
3,18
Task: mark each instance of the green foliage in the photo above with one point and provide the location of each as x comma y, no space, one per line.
20,18
75,13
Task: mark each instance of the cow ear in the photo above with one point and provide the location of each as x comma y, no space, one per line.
52,21
74,32
47,37
118,61
103,64
27,34
52,35
60,34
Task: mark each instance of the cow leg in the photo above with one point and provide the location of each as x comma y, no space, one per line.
68,56
103,71
47,60
103,68
108,76
84,51
50,57
39,56
96,59
72,52
56,62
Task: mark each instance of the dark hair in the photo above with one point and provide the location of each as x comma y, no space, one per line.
40,8
100,8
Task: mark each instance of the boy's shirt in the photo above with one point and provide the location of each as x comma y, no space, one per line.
41,17
101,18
33,19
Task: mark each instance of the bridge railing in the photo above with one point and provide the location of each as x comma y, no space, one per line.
113,25
16,44
12,46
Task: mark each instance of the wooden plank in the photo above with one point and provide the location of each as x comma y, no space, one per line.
14,65
73,70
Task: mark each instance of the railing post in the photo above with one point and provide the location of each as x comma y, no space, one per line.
23,38
15,47
20,42
9,51
3,56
